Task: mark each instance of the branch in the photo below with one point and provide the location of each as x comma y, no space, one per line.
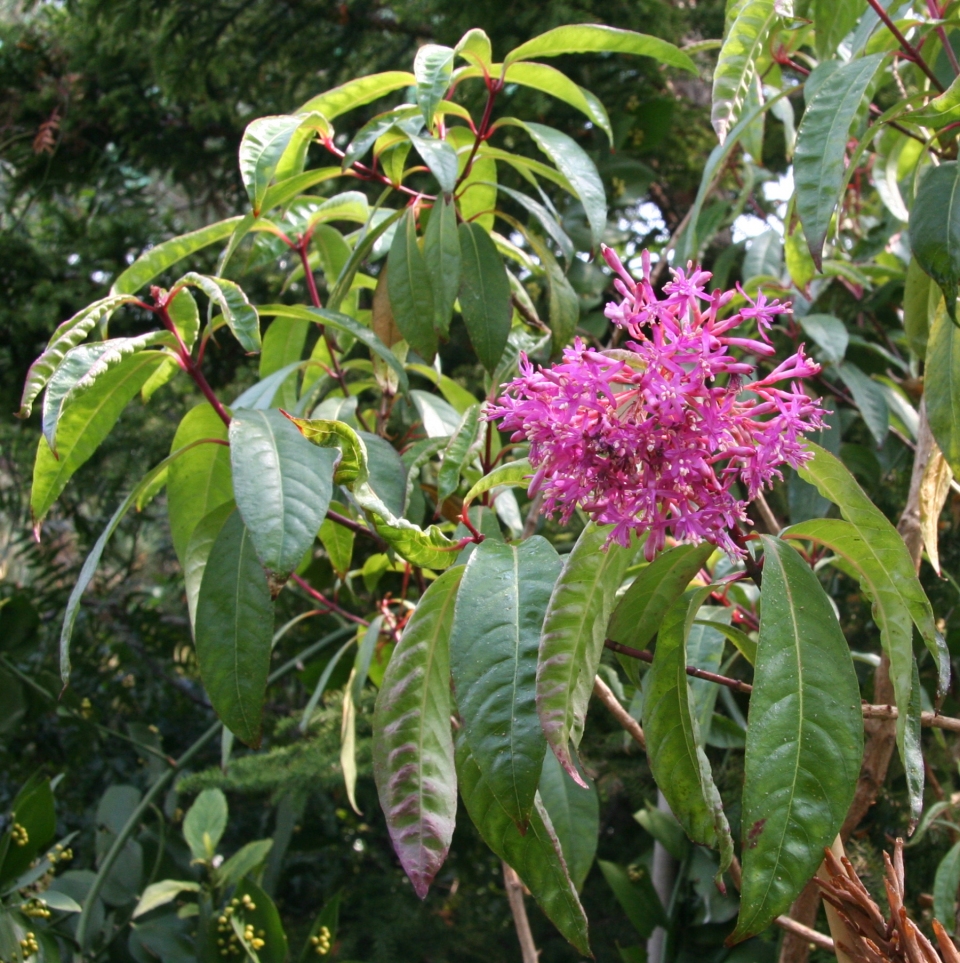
514,888
605,694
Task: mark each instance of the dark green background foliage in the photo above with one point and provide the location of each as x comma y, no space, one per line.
119,127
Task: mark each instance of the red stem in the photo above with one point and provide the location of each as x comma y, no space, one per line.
644,655
935,12
354,526
910,52
323,600
483,131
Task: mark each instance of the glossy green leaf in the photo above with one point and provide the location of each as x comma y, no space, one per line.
456,454
159,894
205,823
764,257
411,295
878,565
68,335
674,744
282,486
935,229
33,808
261,148
833,481
165,255
596,38
352,468
476,199
493,657
737,64
240,315
484,294
474,46
642,608
92,561
247,859
84,425
263,918
338,541
574,630
287,189
942,387
234,631
945,887
575,164
432,67
441,159
516,473
441,254
706,641
199,546
804,739
575,815
869,398
536,855
404,119
283,344
833,22
546,219
828,333
916,308
822,144
341,322
940,111
356,93
413,761
200,480
637,898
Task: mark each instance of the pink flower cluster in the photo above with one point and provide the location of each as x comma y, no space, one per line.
652,438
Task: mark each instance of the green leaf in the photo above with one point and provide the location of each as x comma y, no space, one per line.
869,398
262,146
674,745
84,425
33,808
234,631
68,335
352,468
546,219
935,229
940,111
441,253
637,898
822,144
428,548
159,894
653,593
439,419
945,888
833,481
916,308
200,480
477,199
287,189
159,258
737,64
341,322
574,630
596,38
365,650
828,333
764,257
356,93
245,860
432,67
575,815
575,164
456,454
80,369
833,22
744,644
474,46
282,485
325,677
536,855
199,546
240,315
493,658
514,473
804,739
262,916
411,295
205,823
92,561
338,543
484,294
405,119
942,387
413,761
283,345
878,564
440,157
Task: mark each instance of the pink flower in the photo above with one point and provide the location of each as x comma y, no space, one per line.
655,438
